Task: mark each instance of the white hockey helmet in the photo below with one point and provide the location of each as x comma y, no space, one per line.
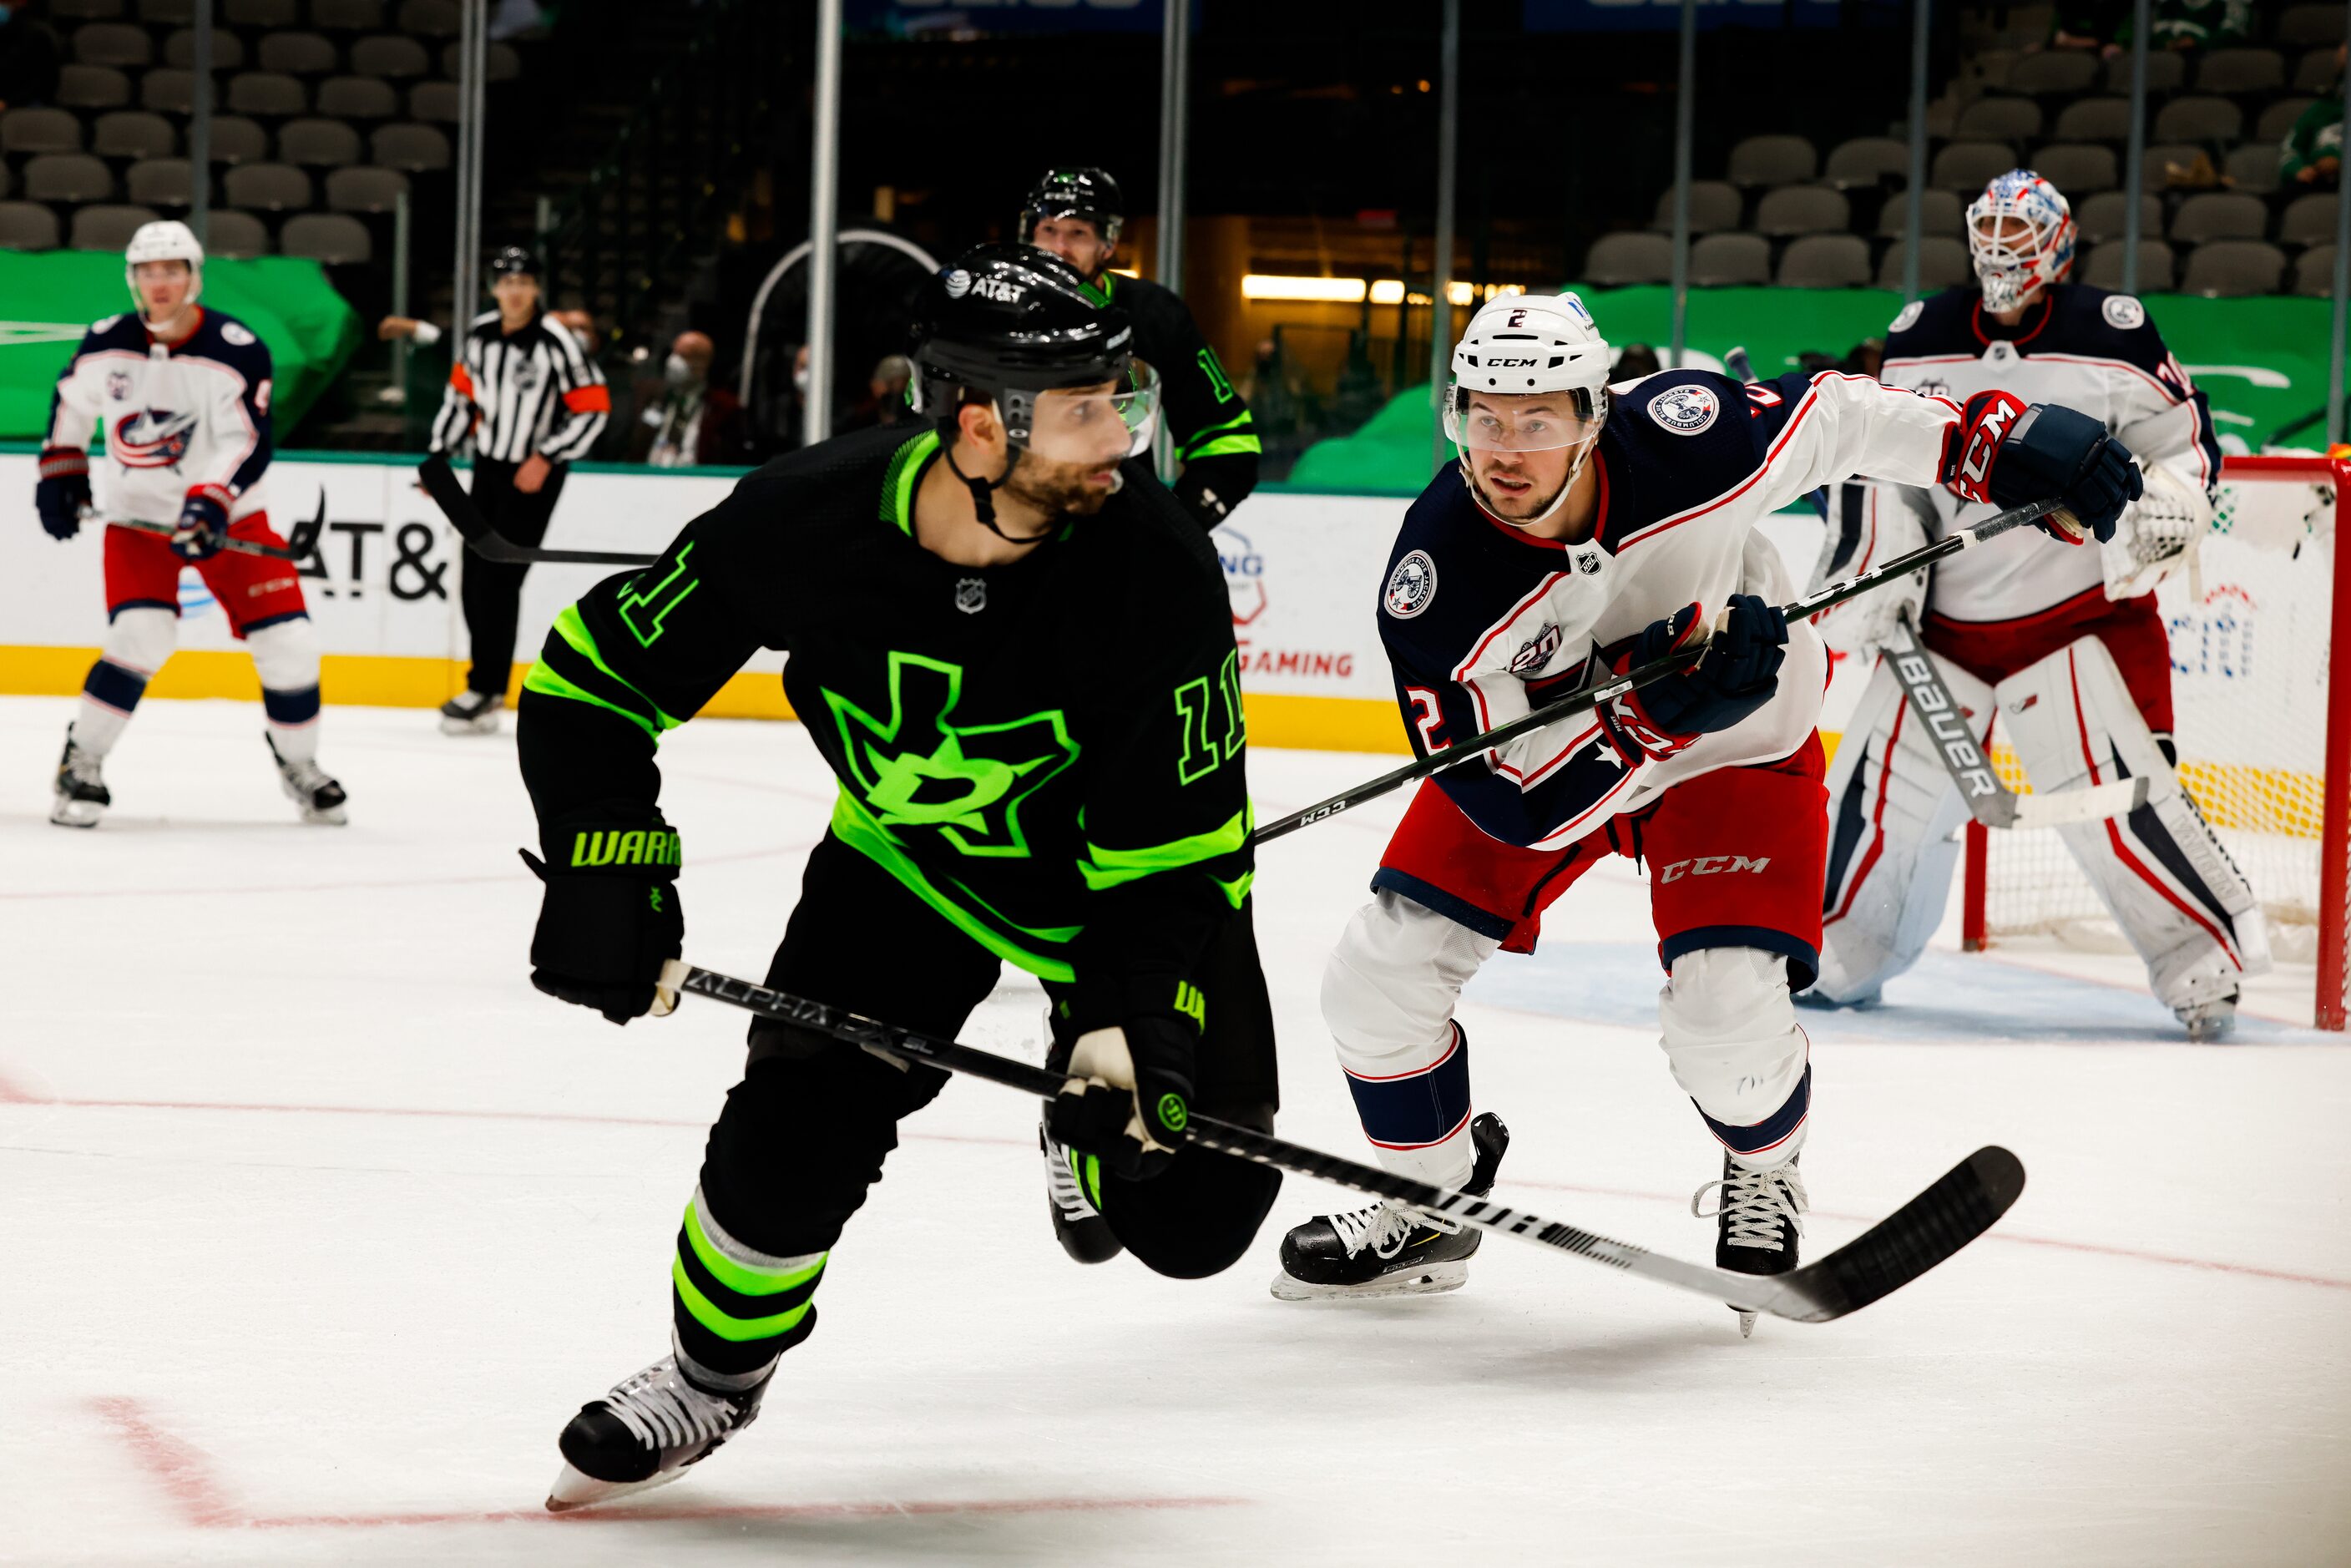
165,240
1541,352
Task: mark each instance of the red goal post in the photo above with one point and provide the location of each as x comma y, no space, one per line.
2264,729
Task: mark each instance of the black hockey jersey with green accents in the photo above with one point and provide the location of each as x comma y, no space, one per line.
1047,753
1207,423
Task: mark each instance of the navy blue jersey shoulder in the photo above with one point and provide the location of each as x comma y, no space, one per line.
1433,612
2103,325
224,339
1683,438
123,331
1940,324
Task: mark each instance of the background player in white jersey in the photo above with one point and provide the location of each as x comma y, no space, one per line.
181,396
1575,538
2065,641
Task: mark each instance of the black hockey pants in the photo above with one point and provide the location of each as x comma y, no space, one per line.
804,1134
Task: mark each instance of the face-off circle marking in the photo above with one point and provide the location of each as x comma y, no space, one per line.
1410,587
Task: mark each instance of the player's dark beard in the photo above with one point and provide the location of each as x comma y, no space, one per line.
1057,489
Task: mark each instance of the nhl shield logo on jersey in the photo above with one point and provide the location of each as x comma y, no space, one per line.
1685,411
2124,313
1411,586
971,594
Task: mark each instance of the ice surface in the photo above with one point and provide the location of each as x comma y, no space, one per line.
317,1222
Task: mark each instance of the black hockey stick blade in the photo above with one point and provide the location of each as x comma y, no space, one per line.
440,482
1473,750
1914,1239
304,536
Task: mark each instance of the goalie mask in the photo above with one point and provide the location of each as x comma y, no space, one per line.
163,241
1530,375
1018,328
2021,238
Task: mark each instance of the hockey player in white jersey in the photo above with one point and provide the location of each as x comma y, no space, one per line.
2065,642
180,396
1577,538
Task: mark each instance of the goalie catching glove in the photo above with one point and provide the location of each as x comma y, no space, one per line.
1737,674
2006,454
609,918
2156,535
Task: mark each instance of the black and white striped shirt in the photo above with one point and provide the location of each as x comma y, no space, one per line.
513,394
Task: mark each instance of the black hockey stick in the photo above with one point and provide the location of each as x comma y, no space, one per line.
1988,800
300,543
1959,1207
440,483
1474,750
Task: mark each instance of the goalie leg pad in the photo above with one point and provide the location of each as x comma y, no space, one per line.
1389,993
2169,883
1729,1030
1894,817
137,640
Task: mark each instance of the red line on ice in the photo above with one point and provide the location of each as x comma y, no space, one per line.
180,1470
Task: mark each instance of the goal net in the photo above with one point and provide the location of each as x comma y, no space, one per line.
2260,744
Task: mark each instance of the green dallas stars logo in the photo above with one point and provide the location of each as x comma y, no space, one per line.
919,769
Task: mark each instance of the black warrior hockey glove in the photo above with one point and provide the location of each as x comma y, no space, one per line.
1128,1094
610,916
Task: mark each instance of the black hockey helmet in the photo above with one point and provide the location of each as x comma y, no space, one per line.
1019,327
508,260
1088,194
1011,321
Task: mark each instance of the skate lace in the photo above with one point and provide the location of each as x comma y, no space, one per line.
1384,1228
1061,1184
662,1410
1753,1204
80,766
306,776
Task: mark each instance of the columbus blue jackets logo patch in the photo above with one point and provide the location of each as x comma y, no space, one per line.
1909,316
1685,411
151,438
1410,587
2124,313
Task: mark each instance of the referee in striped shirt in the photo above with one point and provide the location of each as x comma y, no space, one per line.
529,403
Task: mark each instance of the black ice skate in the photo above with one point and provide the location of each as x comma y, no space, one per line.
81,794
310,786
1071,1191
1387,1249
644,1433
1762,1215
472,712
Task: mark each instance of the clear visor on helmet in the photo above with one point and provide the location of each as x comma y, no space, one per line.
1522,422
1097,425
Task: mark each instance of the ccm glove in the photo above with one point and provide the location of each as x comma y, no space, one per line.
1128,1094
610,918
203,523
63,491
2006,454
1736,675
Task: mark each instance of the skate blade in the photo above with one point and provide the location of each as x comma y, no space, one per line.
575,1489
486,725
77,814
1432,1280
336,818
1746,1326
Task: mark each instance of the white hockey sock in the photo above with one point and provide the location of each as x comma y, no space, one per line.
285,657
137,643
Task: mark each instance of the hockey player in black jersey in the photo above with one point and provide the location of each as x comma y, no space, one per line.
1015,653
1076,214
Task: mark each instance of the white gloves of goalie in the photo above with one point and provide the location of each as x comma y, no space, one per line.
2157,535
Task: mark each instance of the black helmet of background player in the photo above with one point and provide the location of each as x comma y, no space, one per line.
1017,327
1090,195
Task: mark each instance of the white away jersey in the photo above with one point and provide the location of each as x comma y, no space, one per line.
2081,347
1482,622
194,413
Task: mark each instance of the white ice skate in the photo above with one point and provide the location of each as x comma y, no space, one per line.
82,797
645,1433
2209,1021
311,788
